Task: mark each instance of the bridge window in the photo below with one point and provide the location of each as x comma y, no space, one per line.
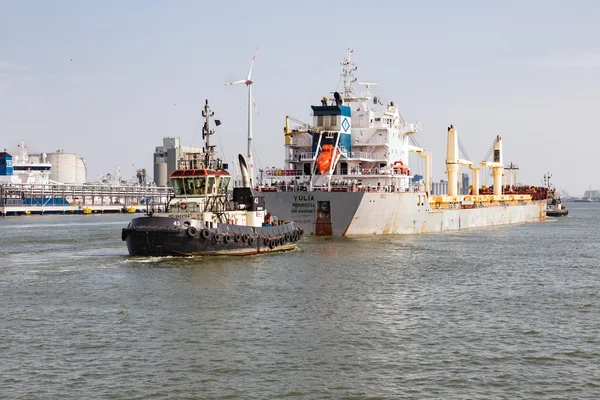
223,184
189,186
177,186
211,185
200,185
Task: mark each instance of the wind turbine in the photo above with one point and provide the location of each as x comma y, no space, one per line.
248,82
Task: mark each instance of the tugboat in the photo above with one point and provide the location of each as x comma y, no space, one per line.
201,218
554,207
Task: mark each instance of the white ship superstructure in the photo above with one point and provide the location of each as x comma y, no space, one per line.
348,173
355,141
30,169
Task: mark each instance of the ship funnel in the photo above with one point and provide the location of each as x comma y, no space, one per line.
244,171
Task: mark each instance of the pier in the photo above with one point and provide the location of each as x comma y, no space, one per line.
25,199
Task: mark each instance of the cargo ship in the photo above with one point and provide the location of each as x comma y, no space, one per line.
348,173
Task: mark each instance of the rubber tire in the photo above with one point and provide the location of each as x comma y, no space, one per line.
237,237
226,239
192,231
250,241
272,243
205,233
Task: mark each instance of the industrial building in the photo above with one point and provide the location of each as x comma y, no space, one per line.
171,155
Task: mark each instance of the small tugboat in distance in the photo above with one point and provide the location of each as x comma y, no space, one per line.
554,207
202,220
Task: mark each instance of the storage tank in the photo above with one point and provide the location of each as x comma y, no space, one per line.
160,174
64,167
81,174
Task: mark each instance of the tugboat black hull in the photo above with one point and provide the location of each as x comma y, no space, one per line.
557,213
167,236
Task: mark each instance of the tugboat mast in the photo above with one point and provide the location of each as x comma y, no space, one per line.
206,132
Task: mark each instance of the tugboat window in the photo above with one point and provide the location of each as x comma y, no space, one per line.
189,186
177,186
211,184
200,185
223,184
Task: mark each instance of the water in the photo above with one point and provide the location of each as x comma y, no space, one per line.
506,312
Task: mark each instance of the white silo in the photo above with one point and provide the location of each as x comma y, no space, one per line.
81,174
160,174
64,167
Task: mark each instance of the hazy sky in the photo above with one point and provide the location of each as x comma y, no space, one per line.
108,80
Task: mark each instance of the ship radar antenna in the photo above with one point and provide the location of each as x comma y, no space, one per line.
367,86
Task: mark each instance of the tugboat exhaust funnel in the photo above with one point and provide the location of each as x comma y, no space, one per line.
244,171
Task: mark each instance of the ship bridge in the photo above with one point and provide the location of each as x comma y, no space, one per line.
199,182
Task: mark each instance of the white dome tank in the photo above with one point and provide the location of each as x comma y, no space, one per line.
81,174
64,167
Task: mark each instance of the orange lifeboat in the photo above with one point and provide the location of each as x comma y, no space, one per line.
400,167
325,158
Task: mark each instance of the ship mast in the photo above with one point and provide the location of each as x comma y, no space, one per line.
206,132
348,75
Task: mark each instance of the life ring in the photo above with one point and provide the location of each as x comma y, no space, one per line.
269,172
192,231
205,233
183,205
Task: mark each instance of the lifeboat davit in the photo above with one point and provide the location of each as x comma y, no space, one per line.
400,167
325,158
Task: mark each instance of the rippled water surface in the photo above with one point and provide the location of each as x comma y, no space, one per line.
505,312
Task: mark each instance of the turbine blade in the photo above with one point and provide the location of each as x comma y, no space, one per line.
251,64
255,107
235,83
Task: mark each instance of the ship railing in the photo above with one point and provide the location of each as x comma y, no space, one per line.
469,205
286,187
79,196
354,155
363,155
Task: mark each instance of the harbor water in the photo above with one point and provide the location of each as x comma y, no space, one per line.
497,313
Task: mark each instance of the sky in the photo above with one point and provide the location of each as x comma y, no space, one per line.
108,80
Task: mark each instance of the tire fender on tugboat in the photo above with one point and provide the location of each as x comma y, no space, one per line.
192,231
